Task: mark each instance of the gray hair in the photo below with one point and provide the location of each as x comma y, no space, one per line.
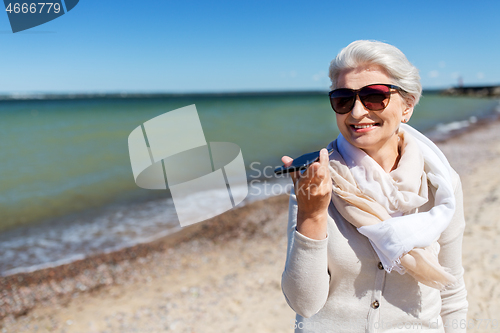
390,58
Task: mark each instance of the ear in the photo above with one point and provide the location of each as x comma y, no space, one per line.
407,110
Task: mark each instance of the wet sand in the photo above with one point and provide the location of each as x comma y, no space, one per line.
223,275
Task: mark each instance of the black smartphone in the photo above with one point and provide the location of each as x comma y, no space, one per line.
300,163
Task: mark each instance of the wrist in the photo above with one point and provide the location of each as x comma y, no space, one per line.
312,225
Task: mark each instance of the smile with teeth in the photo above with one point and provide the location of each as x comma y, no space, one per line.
363,126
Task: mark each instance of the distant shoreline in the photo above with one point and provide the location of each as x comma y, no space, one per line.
480,91
473,91
157,95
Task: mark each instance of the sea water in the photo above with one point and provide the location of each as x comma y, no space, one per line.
66,184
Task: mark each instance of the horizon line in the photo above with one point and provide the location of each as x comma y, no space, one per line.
6,96
123,94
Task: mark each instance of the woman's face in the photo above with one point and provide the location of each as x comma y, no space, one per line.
375,132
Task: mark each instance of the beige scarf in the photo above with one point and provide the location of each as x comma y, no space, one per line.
384,206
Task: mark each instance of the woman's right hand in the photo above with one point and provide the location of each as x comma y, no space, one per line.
313,190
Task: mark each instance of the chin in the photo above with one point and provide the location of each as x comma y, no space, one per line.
363,142
363,147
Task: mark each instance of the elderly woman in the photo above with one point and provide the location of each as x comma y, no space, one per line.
375,228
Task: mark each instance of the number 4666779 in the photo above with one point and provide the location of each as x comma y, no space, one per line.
33,8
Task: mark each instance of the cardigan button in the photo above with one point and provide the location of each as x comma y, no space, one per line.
380,266
375,305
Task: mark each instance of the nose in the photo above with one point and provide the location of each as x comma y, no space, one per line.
358,110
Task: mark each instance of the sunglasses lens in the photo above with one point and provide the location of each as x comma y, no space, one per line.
342,100
375,97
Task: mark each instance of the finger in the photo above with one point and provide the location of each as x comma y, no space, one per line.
312,171
318,171
287,160
323,157
316,174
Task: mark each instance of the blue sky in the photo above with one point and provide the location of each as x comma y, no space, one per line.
214,46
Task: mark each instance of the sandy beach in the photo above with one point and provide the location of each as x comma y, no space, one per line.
223,275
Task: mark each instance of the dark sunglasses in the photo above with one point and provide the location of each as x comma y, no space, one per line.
375,97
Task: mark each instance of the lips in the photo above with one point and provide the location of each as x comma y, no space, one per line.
363,126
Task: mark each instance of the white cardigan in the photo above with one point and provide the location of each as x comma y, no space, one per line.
338,285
